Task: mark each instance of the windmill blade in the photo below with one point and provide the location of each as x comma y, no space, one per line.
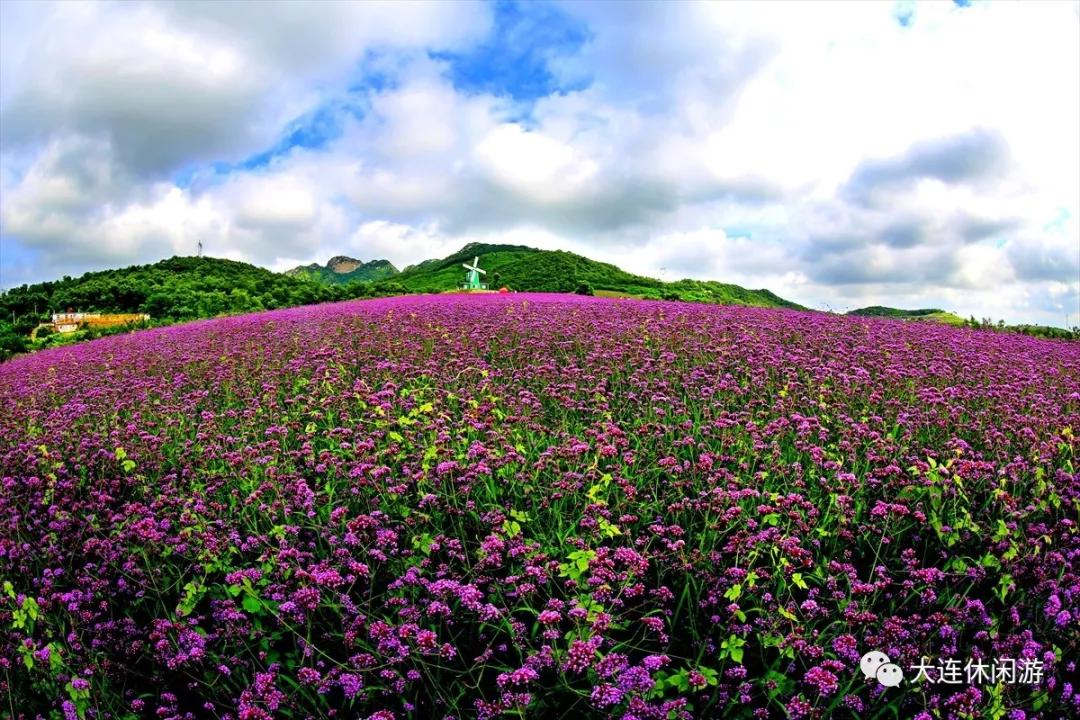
482,272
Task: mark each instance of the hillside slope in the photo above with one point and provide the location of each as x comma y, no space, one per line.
173,290
188,288
530,270
932,314
342,270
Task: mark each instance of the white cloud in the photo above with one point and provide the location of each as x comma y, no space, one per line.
533,164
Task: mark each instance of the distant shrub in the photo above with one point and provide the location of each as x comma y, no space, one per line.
584,289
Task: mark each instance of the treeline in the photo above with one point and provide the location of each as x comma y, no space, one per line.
944,316
560,271
528,269
522,268
170,291
882,311
1046,331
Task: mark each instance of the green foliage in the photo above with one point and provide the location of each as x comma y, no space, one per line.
933,314
11,342
173,290
332,273
882,311
530,270
944,316
189,288
1046,331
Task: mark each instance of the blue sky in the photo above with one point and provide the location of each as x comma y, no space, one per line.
513,60
840,154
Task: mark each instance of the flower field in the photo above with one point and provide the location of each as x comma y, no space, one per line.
537,506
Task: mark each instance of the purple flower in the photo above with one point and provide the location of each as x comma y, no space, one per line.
549,617
605,695
350,684
825,681
652,663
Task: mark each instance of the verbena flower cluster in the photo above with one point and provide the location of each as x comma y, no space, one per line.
536,506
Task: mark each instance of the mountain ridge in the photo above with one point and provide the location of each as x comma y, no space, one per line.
520,267
923,314
342,269
178,289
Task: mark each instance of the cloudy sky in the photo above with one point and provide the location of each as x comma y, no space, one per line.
838,154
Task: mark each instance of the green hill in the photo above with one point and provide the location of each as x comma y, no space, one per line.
527,269
949,318
173,290
187,288
180,288
933,314
342,270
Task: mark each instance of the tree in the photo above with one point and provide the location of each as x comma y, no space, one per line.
584,288
11,343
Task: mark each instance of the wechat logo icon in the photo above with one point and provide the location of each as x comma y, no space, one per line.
876,665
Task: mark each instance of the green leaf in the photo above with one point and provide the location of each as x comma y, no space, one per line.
733,648
55,660
797,580
783,683
733,592
193,592
1001,532
1003,586
956,564
30,607
252,604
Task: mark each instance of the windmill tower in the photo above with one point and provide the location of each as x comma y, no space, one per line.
200,248
472,278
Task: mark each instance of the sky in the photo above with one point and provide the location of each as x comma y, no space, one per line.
839,154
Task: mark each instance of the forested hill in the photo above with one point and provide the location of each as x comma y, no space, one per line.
342,270
518,267
934,314
180,288
187,288
950,318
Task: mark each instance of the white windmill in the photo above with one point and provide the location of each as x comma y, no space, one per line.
472,279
